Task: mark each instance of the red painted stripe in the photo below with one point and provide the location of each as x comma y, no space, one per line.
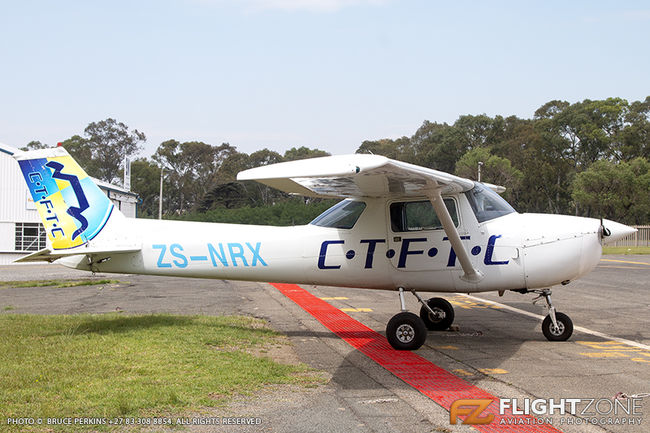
436,383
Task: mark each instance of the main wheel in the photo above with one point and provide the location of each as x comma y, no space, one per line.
563,330
406,331
443,315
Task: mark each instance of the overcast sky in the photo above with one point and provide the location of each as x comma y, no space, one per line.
316,73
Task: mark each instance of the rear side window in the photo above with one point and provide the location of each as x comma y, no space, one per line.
412,216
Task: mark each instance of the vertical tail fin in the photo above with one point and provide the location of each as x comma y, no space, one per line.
72,207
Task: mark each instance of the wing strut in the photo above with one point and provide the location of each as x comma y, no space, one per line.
471,275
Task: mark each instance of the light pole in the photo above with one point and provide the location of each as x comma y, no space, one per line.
160,197
480,164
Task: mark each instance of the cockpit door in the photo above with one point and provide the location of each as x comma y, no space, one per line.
416,240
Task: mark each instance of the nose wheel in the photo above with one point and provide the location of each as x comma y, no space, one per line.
556,326
560,331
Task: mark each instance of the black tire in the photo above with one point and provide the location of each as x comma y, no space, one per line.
444,314
406,331
564,324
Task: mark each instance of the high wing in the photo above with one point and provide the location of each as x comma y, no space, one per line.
358,176
355,176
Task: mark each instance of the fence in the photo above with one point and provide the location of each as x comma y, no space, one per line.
641,238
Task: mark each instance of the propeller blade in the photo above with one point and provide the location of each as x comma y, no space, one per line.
604,231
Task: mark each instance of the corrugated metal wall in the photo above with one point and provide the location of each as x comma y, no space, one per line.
8,258
14,194
14,207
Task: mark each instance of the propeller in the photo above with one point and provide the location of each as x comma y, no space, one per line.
602,230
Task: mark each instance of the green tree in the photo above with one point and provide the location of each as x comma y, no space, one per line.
551,152
477,131
261,194
110,143
432,146
303,153
440,146
231,194
292,211
228,195
543,187
233,164
145,181
384,147
586,131
634,139
264,157
495,170
82,151
617,191
34,145
191,168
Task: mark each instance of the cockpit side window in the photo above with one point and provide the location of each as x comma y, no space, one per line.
342,215
487,204
413,216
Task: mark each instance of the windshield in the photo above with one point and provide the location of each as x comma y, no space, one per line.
342,215
486,203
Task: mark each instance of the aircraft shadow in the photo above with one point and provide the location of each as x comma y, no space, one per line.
110,325
483,344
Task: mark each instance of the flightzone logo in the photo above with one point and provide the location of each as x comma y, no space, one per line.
472,409
571,411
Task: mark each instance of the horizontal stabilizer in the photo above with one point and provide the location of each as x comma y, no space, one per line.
47,255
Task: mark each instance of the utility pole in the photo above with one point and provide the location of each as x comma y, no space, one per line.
160,197
480,164
127,173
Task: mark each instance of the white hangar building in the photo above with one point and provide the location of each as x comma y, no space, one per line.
21,231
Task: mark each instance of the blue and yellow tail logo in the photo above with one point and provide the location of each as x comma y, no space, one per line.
73,209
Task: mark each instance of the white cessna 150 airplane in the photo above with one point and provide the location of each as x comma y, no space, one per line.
400,227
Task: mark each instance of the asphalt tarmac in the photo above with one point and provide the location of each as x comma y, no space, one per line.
496,344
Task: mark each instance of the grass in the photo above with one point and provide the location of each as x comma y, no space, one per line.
626,250
54,283
114,365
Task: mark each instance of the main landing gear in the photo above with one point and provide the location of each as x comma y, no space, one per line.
556,326
407,331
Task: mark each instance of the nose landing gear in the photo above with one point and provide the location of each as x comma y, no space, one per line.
407,331
556,326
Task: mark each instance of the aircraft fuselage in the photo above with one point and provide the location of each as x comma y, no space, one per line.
514,251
